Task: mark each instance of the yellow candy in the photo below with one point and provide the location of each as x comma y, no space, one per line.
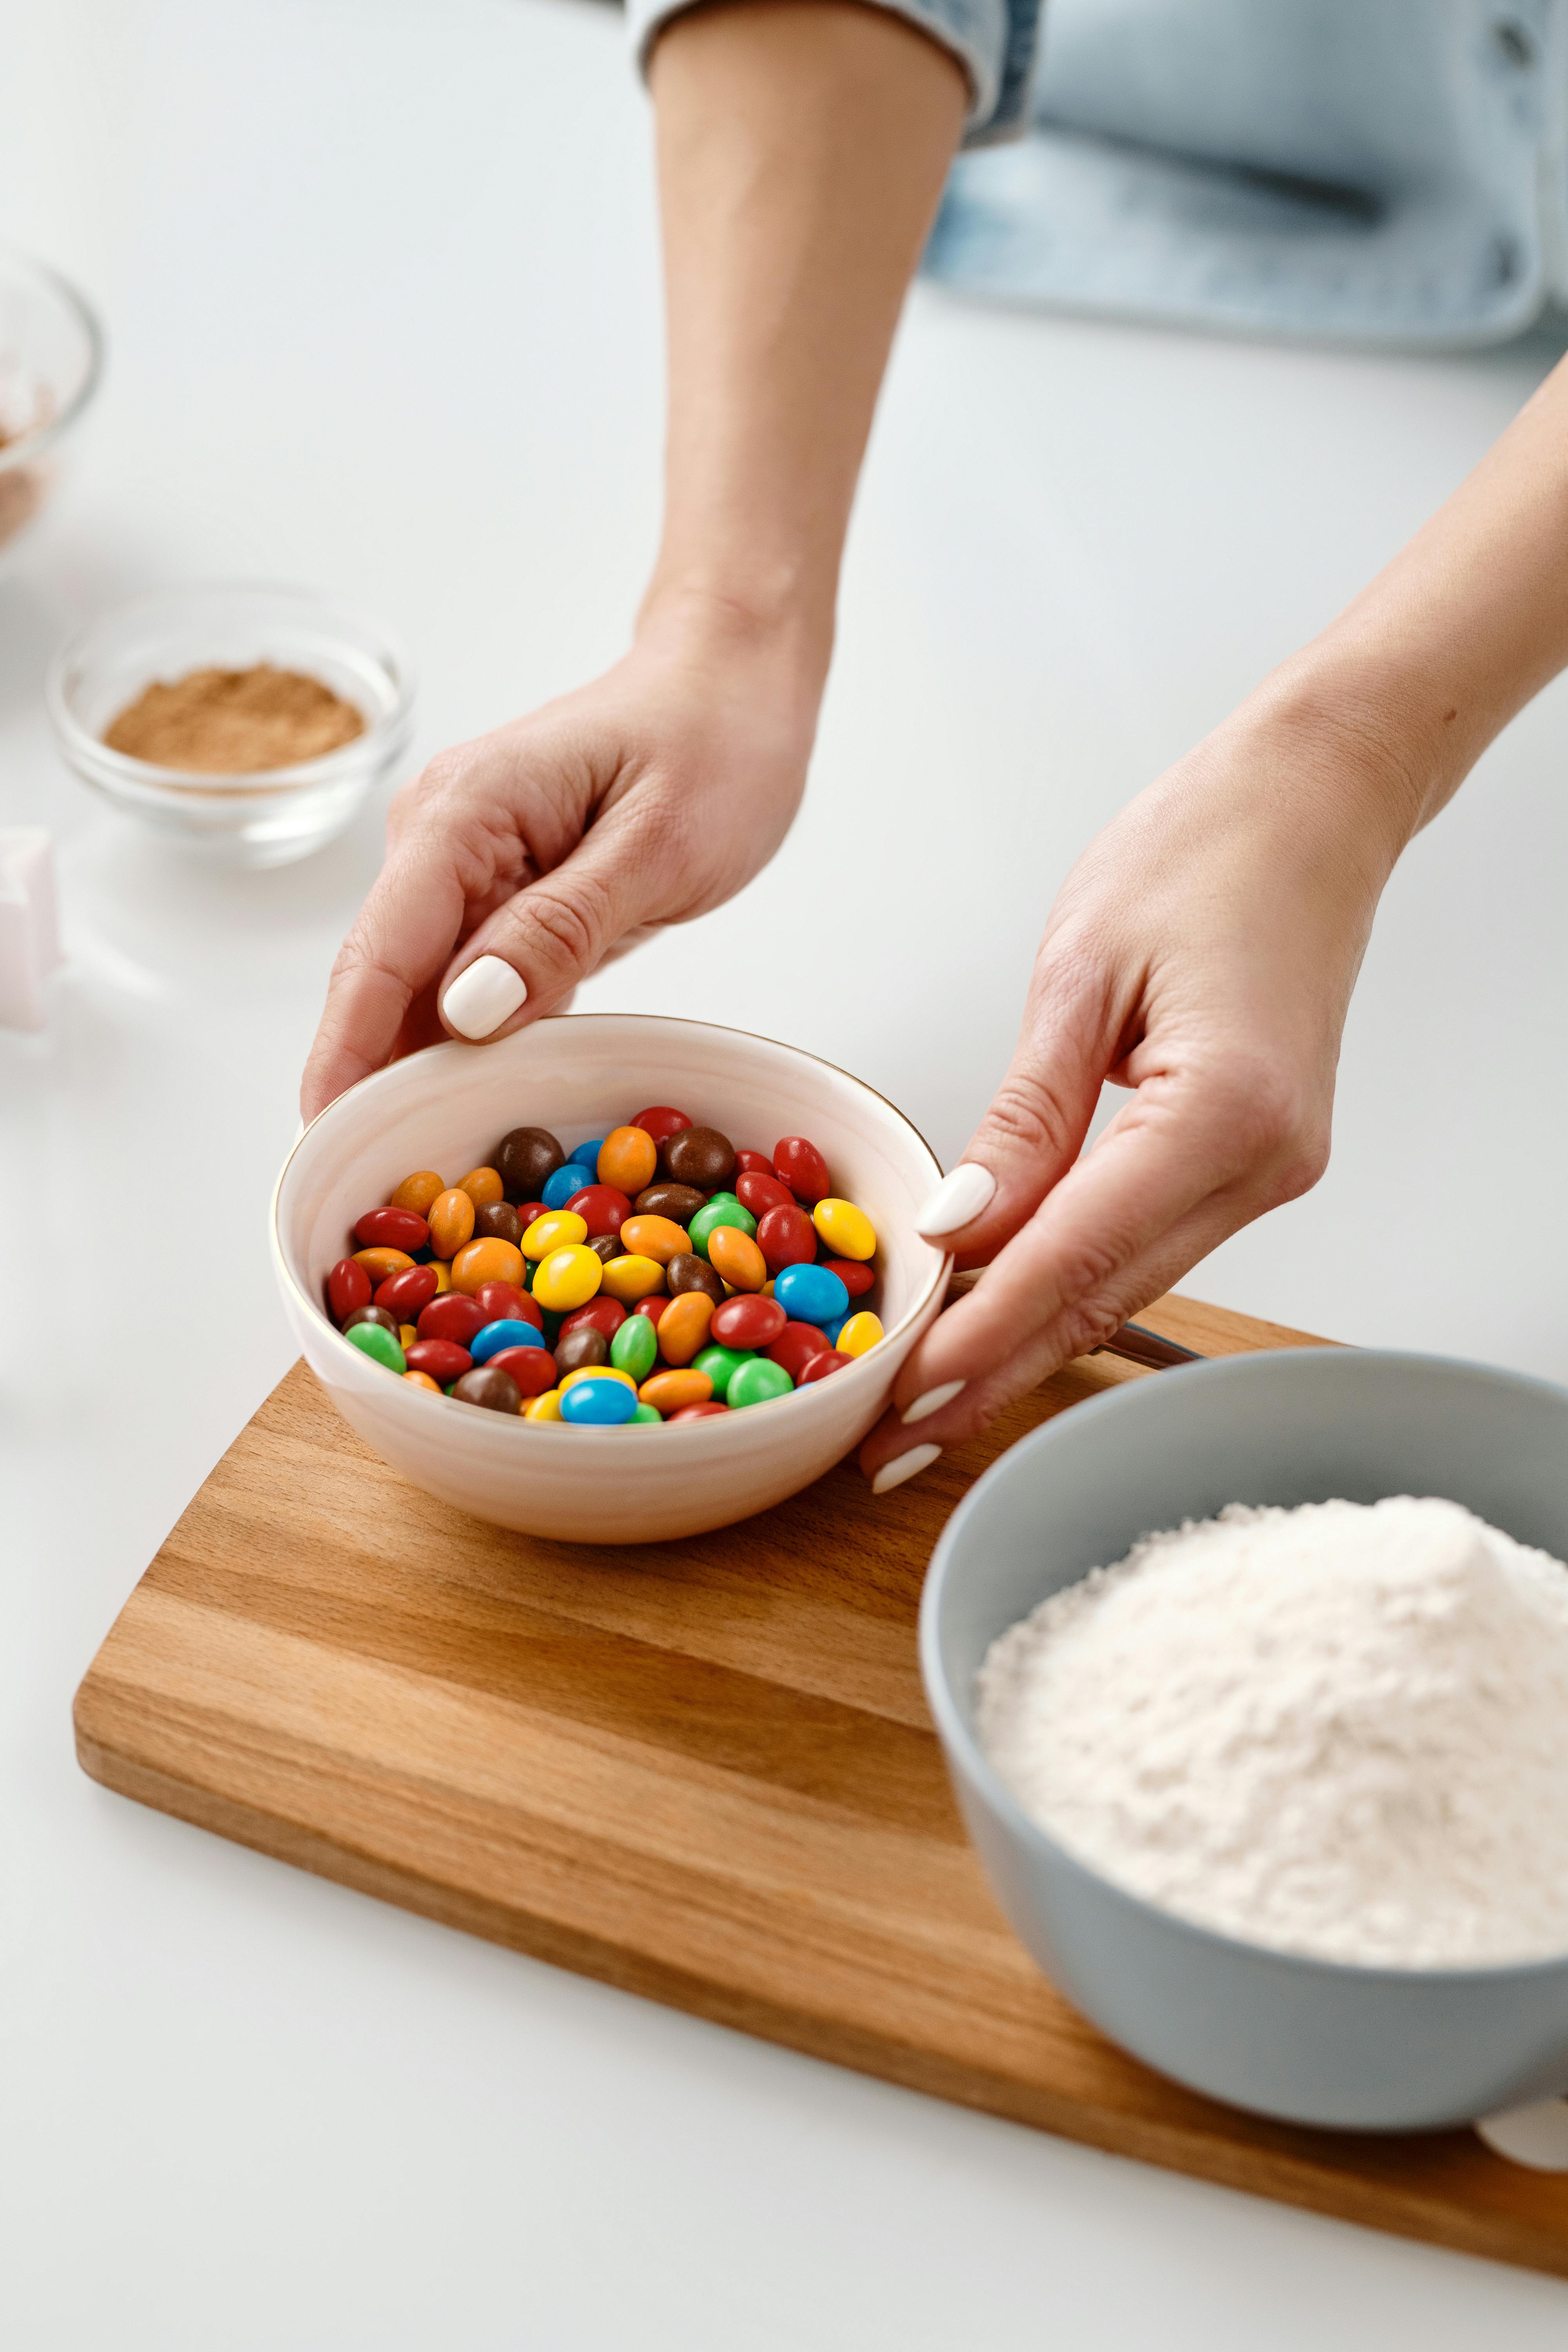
570,1277
406,1335
596,1372
556,1229
628,1280
861,1331
848,1231
541,1408
443,1273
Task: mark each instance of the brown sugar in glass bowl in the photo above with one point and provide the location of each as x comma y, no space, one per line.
233,722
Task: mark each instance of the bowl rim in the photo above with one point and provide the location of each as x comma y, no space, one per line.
383,737
963,1744
542,1431
25,448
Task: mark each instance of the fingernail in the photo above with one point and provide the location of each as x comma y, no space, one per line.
932,1401
481,998
957,1200
904,1465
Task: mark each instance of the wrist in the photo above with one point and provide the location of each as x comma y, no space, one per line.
781,642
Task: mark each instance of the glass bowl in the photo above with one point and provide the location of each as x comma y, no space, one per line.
51,357
268,816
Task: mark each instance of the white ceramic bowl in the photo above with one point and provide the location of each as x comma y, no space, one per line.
578,1075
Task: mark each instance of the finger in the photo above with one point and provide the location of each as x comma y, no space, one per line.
968,1407
1033,1129
532,952
397,947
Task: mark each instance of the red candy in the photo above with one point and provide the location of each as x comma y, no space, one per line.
802,1167
444,1359
348,1287
786,1237
661,1122
406,1294
749,1320
653,1306
602,1209
760,1193
855,1273
752,1163
601,1314
503,1300
533,1369
452,1317
696,1412
795,1347
391,1229
820,1365
528,1210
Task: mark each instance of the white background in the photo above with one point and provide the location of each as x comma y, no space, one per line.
380,279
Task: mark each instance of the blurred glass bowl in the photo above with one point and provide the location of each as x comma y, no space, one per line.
268,816
51,357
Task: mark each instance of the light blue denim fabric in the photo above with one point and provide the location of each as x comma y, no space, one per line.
1386,172
993,40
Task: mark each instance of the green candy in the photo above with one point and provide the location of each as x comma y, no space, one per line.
635,1347
757,1383
720,1211
645,1411
378,1345
720,1364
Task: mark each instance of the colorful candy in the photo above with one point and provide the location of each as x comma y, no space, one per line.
655,1273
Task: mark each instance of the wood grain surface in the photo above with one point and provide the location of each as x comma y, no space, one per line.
702,1772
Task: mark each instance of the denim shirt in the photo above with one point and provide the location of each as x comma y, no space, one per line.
993,41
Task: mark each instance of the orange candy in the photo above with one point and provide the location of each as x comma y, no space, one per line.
451,1222
683,1327
489,1260
419,1380
659,1238
628,1159
737,1257
381,1265
418,1191
483,1187
668,1392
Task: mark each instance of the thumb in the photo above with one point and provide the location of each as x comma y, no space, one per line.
1033,1132
530,953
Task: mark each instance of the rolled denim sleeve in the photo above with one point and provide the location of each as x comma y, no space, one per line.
993,40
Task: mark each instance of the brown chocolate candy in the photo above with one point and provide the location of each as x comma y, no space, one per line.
378,1315
698,1156
498,1221
687,1271
487,1385
606,1246
679,1202
582,1349
525,1159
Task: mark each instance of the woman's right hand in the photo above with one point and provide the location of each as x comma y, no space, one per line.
537,851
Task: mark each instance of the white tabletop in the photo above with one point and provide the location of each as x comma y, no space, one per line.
381,285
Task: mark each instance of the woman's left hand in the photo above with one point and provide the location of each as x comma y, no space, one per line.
1201,954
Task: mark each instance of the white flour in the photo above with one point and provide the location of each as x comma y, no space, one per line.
1341,1730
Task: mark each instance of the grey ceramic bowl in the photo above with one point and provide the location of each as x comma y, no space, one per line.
1369,2049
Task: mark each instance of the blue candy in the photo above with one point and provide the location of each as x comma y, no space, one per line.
559,1188
586,1155
811,1294
510,1332
830,1330
603,1403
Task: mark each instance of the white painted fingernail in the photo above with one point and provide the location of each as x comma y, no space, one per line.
904,1465
481,998
932,1401
957,1200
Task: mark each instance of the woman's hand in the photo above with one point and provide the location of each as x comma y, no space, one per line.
517,863
1202,953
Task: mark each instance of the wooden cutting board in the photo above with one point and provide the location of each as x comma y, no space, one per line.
701,1771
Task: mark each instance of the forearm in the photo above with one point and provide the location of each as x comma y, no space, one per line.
1430,662
801,150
